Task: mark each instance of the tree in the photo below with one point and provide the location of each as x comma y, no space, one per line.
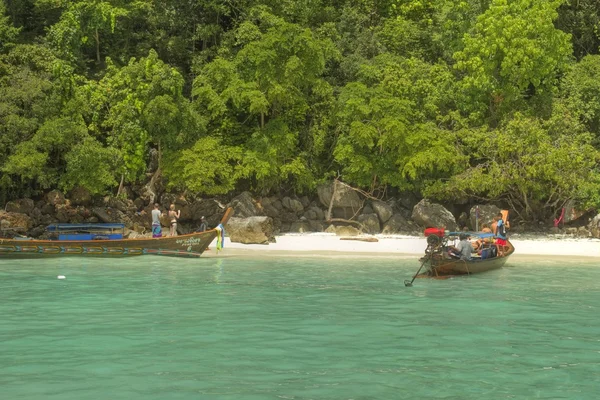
390,126
83,22
533,166
137,105
514,53
264,95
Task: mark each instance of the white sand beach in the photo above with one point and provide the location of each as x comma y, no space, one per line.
323,244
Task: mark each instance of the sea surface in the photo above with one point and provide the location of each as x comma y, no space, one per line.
296,328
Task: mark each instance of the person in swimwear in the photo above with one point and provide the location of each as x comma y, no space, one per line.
173,217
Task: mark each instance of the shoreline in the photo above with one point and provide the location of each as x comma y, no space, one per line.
395,246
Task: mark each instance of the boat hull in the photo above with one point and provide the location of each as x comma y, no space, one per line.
191,245
443,267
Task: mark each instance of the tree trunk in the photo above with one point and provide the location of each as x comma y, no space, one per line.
97,37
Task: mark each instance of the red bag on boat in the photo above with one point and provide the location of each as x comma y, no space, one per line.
434,231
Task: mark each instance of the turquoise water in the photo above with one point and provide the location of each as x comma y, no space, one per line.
294,328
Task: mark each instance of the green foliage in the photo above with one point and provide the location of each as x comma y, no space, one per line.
581,92
534,166
137,105
387,126
91,165
453,99
273,84
81,24
513,53
8,33
208,168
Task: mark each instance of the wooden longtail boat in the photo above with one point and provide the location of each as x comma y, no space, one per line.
190,245
439,263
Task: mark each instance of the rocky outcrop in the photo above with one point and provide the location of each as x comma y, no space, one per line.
251,230
383,210
20,206
370,223
244,206
55,197
80,196
10,221
487,212
346,202
397,224
428,214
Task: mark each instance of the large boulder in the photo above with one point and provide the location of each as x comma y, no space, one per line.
383,210
428,214
205,208
486,214
293,205
244,206
20,206
80,196
346,201
55,198
398,224
15,221
251,230
370,223
314,214
300,227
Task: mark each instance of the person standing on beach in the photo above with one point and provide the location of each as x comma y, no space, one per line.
156,228
500,234
203,225
173,217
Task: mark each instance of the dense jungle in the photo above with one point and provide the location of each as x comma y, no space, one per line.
494,101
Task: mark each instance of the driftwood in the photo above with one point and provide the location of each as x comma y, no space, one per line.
361,239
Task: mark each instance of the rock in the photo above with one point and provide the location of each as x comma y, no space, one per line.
292,204
251,230
48,209
17,221
331,229
314,213
105,215
383,210
139,204
119,204
398,224
316,226
555,230
346,231
583,232
206,208
429,214
300,227
407,201
368,210
270,211
487,212
20,206
80,196
244,206
370,223
55,198
345,203
305,201
572,231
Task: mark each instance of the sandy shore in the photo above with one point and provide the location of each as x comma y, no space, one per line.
323,244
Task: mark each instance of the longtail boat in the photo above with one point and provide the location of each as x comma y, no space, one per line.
110,243
440,262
